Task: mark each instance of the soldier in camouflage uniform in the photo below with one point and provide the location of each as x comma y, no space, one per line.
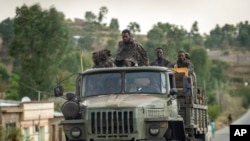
183,61
160,60
130,53
102,59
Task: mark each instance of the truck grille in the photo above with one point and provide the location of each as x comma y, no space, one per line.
112,122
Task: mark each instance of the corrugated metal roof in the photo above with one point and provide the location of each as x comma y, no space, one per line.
8,103
58,114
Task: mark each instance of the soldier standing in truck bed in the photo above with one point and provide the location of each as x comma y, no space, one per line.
183,61
130,53
160,60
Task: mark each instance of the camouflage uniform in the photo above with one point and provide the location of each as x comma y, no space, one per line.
187,64
131,54
161,62
102,59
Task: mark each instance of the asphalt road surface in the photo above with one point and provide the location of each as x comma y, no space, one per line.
223,134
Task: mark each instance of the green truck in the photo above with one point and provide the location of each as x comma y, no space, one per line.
134,104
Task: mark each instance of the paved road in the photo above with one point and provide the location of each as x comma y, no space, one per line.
223,134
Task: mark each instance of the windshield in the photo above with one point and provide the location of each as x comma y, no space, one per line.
104,83
134,82
145,82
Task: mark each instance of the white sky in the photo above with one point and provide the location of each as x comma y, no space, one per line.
146,13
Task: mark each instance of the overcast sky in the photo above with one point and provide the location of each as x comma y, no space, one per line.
146,13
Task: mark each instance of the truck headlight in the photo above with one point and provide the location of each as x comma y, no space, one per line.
154,130
76,132
70,109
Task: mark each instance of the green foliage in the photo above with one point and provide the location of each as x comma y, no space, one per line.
244,93
102,13
156,35
87,60
14,134
4,76
86,42
90,16
229,36
7,31
168,36
71,62
12,92
195,36
201,63
134,27
10,134
217,70
111,45
41,40
213,111
114,24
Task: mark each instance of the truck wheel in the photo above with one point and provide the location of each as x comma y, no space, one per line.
200,137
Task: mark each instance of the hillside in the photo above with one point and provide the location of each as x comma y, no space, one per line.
238,74
239,63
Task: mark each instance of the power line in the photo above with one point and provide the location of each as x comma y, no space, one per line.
36,90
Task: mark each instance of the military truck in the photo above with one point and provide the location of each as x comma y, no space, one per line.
134,104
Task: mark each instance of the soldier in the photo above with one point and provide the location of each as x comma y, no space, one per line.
130,53
229,119
160,60
184,62
102,59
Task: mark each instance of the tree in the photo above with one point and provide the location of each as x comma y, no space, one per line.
114,24
102,13
195,35
228,36
4,79
12,92
168,36
244,34
90,17
156,35
215,38
86,42
134,27
7,34
40,42
7,31
201,64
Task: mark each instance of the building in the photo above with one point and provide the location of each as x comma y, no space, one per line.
35,119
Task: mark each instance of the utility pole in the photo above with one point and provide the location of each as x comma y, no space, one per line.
39,95
81,54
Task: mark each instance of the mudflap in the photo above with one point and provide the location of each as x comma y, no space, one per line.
175,132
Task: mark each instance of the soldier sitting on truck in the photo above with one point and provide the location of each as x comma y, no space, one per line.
183,62
160,60
130,53
102,59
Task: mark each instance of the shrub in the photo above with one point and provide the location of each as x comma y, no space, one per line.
213,111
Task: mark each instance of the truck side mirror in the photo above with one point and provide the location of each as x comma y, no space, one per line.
173,91
58,91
